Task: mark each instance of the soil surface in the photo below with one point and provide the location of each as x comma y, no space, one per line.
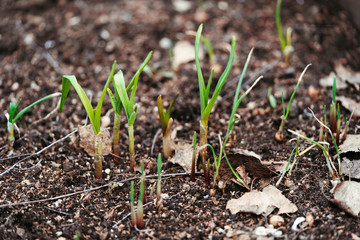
42,40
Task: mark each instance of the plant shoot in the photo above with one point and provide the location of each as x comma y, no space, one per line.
279,136
93,114
128,103
166,122
204,90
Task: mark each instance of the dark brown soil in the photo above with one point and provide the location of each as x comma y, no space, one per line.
42,40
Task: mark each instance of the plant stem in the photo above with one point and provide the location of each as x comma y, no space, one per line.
203,151
333,117
116,136
133,214
131,147
11,137
193,159
167,143
98,156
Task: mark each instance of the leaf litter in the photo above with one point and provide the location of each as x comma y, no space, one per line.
262,203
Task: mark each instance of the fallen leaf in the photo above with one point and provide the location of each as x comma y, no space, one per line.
328,81
262,203
350,105
351,168
184,52
87,141
348,75
183,156
249,160
347,197
351,146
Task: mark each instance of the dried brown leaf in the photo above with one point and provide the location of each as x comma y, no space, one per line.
350,105
87,141
351,145
328,81
262,203
348,75
351,168
183,156
347,197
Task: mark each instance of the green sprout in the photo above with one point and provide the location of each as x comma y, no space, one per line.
166,122
128,103
210,50
93,114
158,189
285,40
296,149
333,120
117,107
279,136
193,162
132,203
271,98
233,119
329,163
13,116
140,208
206,104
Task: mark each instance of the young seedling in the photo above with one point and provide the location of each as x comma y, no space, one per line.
279,136
210,50
166,122
128,103
288,164
118,107
333,119
233,119
93,114
271,98
285,40
205,103
158,189
132,203
193,162
334,142
140,207
13,116
329,163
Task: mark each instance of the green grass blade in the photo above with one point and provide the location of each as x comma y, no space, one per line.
167,113
209,48
33,104
113,100
203,99
12,111
232,120
121,90
136,77
133,116
101,99
69,80
278,25
221,81
207,92
159,163
161,115
296,87
334,90
242,77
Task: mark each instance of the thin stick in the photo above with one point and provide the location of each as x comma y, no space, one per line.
89,190
154,141
37,153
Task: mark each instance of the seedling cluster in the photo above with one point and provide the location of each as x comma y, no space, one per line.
120,100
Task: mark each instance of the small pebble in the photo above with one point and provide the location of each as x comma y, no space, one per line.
277,221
